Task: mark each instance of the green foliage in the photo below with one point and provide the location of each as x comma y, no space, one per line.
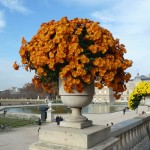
13,123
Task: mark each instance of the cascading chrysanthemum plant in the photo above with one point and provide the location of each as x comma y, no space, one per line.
78,51
139,92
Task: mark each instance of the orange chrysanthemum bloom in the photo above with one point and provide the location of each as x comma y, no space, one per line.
15,66
78,51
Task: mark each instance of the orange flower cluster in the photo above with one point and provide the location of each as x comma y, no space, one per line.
15,66
78,51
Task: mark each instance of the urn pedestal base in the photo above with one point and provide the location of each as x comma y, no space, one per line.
54,137
79,125
147,103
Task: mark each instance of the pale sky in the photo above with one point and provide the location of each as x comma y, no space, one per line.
127,20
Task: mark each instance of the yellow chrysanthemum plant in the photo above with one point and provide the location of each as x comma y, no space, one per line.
78,51
140,91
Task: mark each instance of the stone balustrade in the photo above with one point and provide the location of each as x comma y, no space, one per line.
132,134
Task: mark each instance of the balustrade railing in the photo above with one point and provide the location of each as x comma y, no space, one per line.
132,134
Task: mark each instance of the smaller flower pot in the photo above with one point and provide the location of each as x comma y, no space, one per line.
147,102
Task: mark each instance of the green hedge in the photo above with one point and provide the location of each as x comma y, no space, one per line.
13,123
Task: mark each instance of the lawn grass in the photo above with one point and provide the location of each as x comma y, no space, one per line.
13,123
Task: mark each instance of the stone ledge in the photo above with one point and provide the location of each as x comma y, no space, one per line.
124,126
144,117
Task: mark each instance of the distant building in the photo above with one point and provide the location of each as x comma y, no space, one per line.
105,95
14,90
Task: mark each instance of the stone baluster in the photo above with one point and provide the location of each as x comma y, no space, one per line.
134,137
116,147
145,131
137,135
128,139
137,138
149,123
146,124
120,144
142,130
131,138
124,142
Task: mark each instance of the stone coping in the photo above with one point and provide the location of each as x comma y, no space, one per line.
124,126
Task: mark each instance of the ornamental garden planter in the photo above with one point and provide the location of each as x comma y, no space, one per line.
78,50
76,101
142,90
147,102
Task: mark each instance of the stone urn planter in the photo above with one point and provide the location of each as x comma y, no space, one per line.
147,102
76,101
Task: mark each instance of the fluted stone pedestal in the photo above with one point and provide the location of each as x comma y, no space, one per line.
63,138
